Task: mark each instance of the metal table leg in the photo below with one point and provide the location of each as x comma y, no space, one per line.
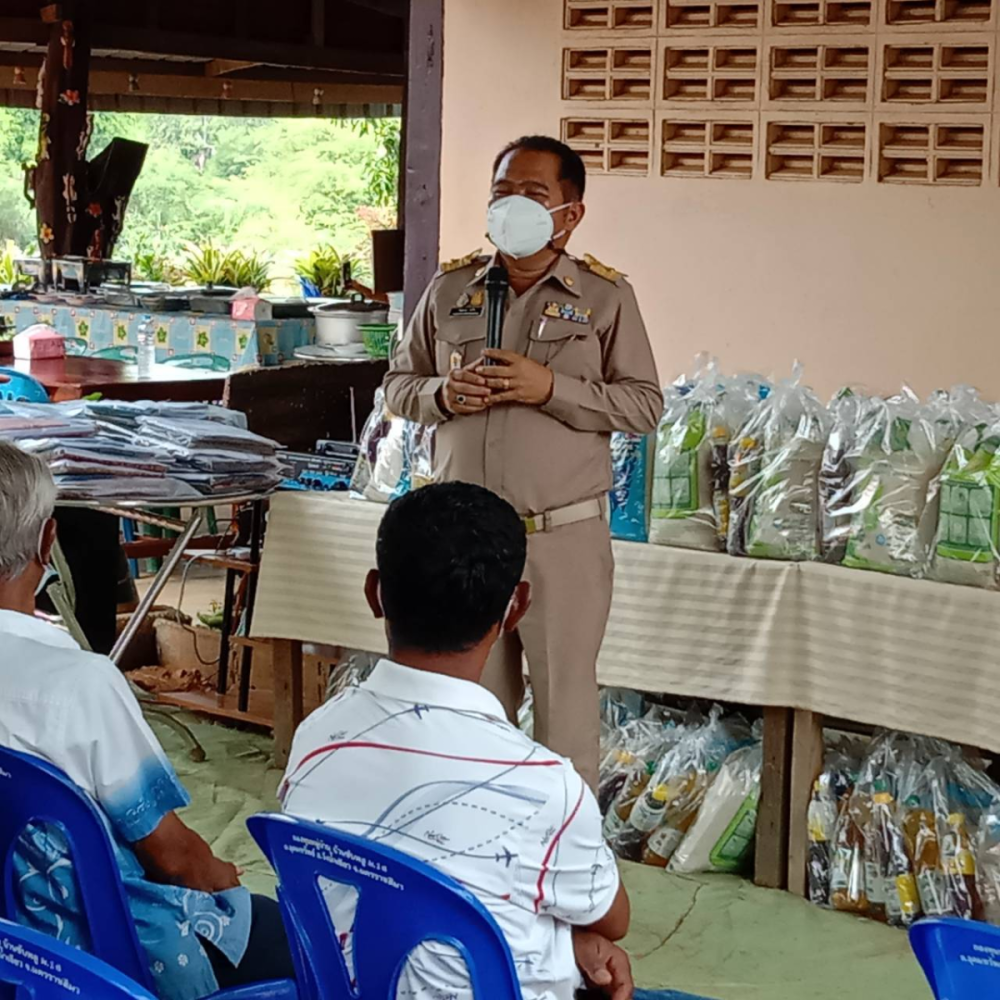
156,587
256,533
222,678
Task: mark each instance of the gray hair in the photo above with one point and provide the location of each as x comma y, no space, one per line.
27,499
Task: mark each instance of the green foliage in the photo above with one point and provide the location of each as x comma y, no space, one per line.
208,265
382,167
324,268
204,264
271,187
251,270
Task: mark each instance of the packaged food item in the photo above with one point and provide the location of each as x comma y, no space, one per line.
689,506
395,455
967,547
681,510
959,862
721,837
900,447
774,475
668,802
630,485
830,796
837,473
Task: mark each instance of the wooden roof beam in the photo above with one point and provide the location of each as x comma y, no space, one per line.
223,67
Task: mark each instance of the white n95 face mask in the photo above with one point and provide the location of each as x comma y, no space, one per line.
520,227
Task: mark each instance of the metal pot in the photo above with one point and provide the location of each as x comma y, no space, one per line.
340,322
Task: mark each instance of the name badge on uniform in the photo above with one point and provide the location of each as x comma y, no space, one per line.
469,304
568,312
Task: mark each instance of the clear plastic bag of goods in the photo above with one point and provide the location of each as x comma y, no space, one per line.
774,464
837,472
900,447
395,455
690,462
621,705
871,871
830,796
628,756
630,485
967,545
667,804
722,836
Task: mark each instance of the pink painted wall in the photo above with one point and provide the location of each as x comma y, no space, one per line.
866,283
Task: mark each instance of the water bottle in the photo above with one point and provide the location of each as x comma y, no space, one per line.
146,355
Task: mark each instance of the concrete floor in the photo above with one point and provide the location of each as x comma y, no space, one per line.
713,936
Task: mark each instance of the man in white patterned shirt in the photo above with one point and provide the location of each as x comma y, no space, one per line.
421,757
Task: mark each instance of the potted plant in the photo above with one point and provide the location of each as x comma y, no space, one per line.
321,274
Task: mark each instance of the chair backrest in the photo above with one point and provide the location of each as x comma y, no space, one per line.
41,968
402,902
216,362
33,791
127,353
960,958
22,388
76,346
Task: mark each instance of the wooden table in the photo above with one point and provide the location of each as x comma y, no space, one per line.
76,377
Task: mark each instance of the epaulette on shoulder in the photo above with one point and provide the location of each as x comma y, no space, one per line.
593,265
459,262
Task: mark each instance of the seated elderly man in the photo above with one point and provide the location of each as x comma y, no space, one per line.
421,757
201,930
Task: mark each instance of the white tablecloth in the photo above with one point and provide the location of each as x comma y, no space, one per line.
864,646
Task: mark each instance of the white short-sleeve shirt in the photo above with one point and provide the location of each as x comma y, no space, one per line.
429,765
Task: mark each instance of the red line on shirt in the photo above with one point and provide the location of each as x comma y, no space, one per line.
359,745
551,850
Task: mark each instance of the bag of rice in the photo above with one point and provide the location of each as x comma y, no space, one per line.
900,448
967,549
774,467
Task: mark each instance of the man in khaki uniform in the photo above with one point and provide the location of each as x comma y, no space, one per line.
532,422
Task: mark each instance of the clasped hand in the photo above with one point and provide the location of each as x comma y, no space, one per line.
512,378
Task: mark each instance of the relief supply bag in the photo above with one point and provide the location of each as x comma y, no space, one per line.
722,837
967,546
774,464
900,447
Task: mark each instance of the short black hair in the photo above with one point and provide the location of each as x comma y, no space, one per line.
449,556
572,171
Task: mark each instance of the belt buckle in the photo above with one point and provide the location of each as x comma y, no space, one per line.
536,524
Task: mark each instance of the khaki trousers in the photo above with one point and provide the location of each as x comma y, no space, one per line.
571,572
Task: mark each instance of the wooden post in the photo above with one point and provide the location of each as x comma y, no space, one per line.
771,860
422,146
807,762
288,711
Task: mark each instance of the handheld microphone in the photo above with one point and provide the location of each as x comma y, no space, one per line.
497,285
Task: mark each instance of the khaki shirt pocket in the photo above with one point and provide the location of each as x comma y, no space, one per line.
572,349
461,336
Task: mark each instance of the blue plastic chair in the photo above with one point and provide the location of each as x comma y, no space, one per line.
402,902
960,958
41,968
21,388
33,791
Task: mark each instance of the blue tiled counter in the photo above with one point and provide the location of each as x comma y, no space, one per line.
241,342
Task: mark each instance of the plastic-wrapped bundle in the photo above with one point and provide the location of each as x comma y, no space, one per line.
721,837
967,548
630,483
837,472
831,793
690,503
900,447
774,464
395,455
667,804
